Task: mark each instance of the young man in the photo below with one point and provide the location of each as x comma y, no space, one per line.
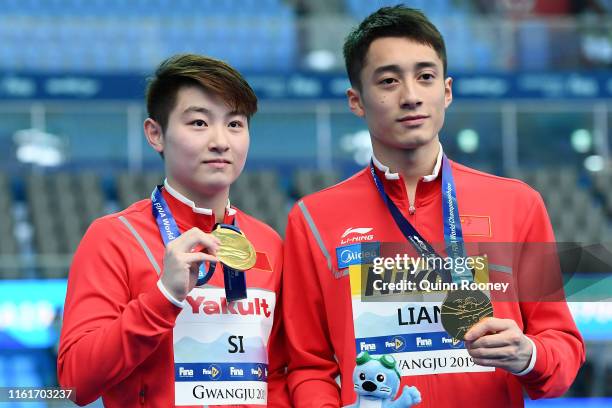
396,62
140,326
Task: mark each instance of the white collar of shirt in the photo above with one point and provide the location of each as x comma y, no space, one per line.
188,202
395,176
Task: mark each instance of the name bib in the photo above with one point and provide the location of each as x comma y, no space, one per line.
220,348
406,324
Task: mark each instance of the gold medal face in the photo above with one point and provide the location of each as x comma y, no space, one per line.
235,251
462,309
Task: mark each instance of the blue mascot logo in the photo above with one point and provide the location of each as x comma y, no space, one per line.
377,381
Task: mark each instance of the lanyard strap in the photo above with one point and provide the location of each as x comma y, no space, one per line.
169,231
453,236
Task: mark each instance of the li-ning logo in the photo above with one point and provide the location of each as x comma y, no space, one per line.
361,235
356,231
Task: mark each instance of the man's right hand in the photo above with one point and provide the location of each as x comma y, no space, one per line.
182,263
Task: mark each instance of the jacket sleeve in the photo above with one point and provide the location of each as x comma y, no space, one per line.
278,394
106,333
312,367
560,349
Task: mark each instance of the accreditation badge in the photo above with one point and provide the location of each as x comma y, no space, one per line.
395,317
220,348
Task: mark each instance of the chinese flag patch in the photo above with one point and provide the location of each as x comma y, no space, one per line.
262,262
476,225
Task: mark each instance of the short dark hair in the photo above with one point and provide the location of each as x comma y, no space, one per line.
185,70
396,21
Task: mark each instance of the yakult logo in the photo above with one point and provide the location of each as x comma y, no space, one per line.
352,235
257,306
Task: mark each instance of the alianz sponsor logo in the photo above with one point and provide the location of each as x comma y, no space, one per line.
353,235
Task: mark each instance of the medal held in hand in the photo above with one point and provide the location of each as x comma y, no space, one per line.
235,253
235,250
462,309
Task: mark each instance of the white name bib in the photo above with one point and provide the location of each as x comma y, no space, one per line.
411,331
220,348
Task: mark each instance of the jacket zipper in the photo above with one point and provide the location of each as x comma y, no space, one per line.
411,210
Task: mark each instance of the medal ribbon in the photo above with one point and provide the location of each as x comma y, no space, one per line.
234,280
453,235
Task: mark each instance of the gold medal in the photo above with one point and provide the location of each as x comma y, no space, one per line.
235,250
462,309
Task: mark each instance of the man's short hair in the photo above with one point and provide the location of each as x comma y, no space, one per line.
213,76
396,21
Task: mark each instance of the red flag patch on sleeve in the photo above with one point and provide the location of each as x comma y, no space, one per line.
476,225
262,262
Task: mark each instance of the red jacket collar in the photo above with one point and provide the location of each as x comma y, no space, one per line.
428,188
187,215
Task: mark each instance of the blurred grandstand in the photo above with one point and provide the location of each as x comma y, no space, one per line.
533,100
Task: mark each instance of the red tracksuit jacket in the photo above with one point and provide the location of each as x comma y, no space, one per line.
317,304
116,339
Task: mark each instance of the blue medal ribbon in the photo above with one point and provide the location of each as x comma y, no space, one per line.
234,280
453,235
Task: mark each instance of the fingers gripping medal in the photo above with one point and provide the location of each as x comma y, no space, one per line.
236,252
462,309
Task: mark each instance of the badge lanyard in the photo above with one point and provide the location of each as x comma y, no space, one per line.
234,280
453,236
